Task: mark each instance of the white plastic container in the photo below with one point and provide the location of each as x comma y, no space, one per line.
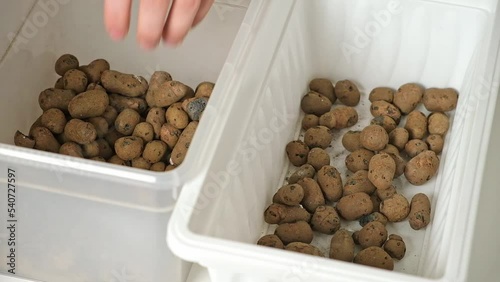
80,220
219,215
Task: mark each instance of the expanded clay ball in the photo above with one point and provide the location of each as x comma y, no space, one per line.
55,98
110,114
156,117
330,182
375,257
297,152
358,182
375,201
438,123
347,93
372,234
126,121
118,161
435,143
272,241
415,147
324,87
352,141
194,107
101,126
145,131
54,120
75,80
125,84
94,70
386,193
440,99
105,150
383,108
328,119
71,149
305,171
354,206
65,63
318,136
395,208
59,83
159,166
342,246
381,170
167,93
315,103
176,116
169,134
90,150
92,103
344,117
420,211
375,216
291,195
381,94
395,247
95,86
112,136
422,168
279,214
22,140
304,248
374,137
294,232
390,149
416,124
400,164
98,159
325,220
318,158
154,151
358,160
386,122
313,196
309,121
129,147
399,137
140,162
80,131
408,97
120,103
355,237
204,89
180,150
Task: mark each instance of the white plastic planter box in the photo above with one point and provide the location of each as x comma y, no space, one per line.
80,220
219,215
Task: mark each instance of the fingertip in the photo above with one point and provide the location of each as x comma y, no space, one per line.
148,45
117,34
172,41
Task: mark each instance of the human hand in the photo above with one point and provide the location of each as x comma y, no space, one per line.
154,23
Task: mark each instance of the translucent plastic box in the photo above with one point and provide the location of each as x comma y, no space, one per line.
219,215
80,220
